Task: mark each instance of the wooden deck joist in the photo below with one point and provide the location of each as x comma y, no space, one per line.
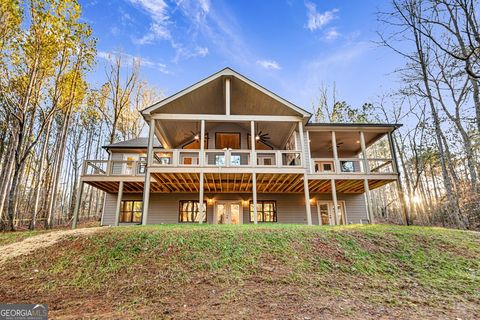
236,183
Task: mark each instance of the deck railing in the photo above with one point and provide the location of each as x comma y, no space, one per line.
227,158
352,165
192,158
114,168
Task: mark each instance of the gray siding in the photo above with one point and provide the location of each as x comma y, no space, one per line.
290,207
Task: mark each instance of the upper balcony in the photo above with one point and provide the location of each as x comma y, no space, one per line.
184,159
352,150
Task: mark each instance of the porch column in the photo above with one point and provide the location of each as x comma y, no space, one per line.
309,165
119,203
254,197
77,204
227,96
335,153
335,202
364,152
308,210
146,185
202,143
369,201
200,199
252,144
302,142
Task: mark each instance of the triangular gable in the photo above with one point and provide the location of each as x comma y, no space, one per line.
225,72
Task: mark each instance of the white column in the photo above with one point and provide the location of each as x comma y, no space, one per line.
227,96
302,143
364,152
200,200
335,153
119,203
151,134
146,196
77,204
252,144
369,201
146,185
254,192
309,165
308,210
202,143
335,202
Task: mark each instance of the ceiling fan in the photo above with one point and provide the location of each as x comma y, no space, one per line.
262,137
338,146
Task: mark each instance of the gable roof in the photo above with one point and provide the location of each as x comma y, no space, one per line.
224,72
139,143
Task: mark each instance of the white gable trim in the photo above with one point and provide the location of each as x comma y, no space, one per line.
224,72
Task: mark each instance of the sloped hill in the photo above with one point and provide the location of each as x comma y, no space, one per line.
249,272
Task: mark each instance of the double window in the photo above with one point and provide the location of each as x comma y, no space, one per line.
266,211
131,211
188,211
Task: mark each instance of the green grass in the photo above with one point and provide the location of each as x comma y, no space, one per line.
400,267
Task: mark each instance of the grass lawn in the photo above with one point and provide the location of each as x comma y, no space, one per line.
247,271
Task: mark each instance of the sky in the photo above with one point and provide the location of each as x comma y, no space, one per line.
291,47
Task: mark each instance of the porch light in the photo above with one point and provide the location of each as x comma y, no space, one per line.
245,203
358,141
197,137
312,201
257,137
210,201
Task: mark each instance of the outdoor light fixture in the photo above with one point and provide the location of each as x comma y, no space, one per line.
196,137
257,137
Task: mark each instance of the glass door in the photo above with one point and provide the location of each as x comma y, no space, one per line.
326,214
228,212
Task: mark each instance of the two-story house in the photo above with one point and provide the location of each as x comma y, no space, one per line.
227,150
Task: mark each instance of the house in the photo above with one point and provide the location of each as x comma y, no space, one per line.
227,150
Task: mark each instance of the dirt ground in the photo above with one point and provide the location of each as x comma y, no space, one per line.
32,244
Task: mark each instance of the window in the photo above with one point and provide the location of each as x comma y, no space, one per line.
188,211
266,211
142,166
131,211
235,160
327,167
219,159
347,166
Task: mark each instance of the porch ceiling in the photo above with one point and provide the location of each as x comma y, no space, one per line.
345,186
178,133
236,183
348,142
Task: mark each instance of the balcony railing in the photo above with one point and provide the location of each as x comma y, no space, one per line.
352,165
114,168
227,158
192,158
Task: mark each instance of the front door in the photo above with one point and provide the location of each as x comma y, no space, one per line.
228,212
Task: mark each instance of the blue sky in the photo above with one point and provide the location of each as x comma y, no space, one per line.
292,47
